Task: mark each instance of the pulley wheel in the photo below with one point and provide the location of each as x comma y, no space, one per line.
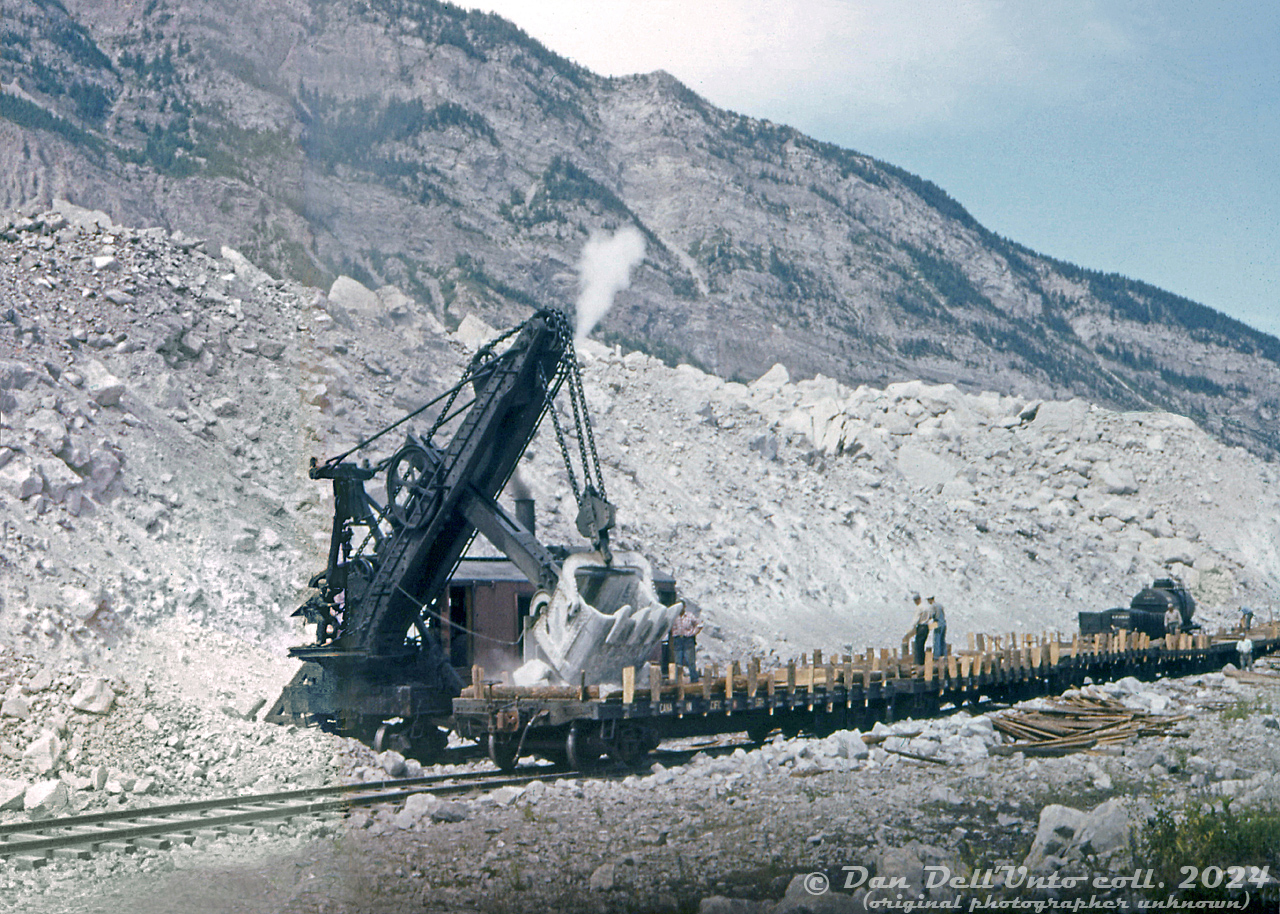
408,469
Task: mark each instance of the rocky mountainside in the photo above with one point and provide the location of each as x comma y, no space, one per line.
158,407
409,142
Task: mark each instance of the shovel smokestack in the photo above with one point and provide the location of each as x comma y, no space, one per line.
525,514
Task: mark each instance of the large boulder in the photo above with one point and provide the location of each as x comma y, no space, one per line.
59,479
49,428
1105,830
102,386
94,696
1057,829
20,478
15,706
45,798
12,792
44,752
353,295
473,332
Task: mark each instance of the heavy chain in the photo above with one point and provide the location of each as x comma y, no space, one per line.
568,371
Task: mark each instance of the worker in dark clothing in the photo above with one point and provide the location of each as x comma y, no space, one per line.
939,625
918,634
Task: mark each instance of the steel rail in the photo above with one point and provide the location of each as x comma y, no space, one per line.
95,828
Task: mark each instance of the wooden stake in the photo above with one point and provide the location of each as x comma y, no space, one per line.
628,685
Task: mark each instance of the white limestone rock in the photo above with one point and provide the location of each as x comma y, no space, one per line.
473,332
102,386
44,752
15,706
354,296
12,793
50,428
45,798
20,478
58,478
95,696
1057,829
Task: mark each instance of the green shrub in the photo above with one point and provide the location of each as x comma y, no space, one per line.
1203,836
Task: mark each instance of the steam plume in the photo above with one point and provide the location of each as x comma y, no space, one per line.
603,271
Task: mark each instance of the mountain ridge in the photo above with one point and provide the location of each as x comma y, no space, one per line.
450,154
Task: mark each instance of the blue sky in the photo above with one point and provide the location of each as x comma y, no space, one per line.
1139,137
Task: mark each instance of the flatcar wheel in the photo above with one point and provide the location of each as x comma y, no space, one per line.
391,736
428,748
580,750
758,730
631,744
791,726
503,749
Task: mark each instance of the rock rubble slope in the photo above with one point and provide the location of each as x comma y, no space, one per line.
417,143
160,403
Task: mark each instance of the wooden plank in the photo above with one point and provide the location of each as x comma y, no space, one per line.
817,658
982,643
753,679
791,677
708,680
655,683
477,680
679,678
969,637
928,664
953,670
1055,652
628,685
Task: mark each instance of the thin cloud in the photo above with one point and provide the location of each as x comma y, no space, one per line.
888,64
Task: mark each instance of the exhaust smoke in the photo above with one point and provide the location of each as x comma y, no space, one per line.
603,271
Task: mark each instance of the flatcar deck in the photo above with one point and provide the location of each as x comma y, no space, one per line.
818,695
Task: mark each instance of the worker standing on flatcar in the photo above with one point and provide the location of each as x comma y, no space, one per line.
1246,618
684,641
939,625
918,634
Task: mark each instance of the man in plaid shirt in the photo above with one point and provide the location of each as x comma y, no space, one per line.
684,635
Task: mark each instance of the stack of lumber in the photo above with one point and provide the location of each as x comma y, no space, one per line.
1076,723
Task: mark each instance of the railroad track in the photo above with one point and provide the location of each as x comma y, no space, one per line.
26,845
